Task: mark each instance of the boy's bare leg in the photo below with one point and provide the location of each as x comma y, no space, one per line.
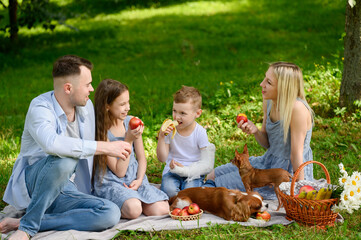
9,224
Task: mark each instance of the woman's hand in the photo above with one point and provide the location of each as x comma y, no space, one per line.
247,127
134,184
136,133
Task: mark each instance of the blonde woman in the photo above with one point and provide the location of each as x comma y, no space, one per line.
286,130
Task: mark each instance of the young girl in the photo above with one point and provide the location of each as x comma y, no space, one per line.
123,182
286,130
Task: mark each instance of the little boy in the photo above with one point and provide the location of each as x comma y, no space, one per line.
188,156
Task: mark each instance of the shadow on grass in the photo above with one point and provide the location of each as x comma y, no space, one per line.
255,22
162,52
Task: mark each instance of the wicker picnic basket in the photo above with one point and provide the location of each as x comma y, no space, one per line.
187,218
309,212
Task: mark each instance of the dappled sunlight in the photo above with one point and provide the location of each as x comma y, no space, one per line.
201,8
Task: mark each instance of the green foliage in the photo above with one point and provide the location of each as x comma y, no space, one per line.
357,114
32,13
322,87
36,12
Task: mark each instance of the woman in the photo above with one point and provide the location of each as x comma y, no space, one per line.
286,130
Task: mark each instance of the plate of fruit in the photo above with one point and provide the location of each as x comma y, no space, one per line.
191,212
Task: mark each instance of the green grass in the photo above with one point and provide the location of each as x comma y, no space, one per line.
220,47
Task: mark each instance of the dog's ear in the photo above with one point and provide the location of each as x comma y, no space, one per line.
236,152
245,149
240,211
171,200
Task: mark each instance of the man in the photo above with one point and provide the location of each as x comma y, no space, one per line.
51,177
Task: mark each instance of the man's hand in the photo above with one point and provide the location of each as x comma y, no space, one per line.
118,149
121,150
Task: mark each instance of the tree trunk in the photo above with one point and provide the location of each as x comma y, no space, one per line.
351,78
13,7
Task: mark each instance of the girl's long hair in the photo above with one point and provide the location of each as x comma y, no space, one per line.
107,91
290,86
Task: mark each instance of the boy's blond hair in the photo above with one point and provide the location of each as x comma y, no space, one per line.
188,94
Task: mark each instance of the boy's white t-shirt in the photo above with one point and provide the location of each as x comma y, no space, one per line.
186,150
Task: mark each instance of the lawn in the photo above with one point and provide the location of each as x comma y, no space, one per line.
220,47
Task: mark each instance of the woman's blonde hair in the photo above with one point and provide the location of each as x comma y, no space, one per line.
107,91
289,88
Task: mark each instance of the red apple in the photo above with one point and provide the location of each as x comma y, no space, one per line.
183,212
176,211
242,116
263,216
306,188
135,122
193,208
186,208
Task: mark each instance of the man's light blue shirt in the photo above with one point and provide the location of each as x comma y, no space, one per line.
44,135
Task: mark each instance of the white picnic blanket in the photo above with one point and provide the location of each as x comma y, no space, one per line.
155,223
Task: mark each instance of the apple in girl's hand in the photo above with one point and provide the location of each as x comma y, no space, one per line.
135,122
176,211
242,116
306,188
193,208
183,212
263,216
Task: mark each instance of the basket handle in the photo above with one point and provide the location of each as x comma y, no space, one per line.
300,169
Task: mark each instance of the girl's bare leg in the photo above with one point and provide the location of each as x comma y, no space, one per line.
156,209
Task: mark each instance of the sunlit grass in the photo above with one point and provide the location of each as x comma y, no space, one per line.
126,16
200,8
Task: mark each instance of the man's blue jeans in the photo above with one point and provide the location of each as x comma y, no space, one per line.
173,183
56,204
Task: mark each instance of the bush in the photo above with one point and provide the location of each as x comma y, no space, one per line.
322,88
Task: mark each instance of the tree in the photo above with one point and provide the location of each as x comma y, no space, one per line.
13,7
350,90
31,13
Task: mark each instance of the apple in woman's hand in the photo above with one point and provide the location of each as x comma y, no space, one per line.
240,117
135,122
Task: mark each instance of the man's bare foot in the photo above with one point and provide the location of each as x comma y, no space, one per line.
9,224
19,235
